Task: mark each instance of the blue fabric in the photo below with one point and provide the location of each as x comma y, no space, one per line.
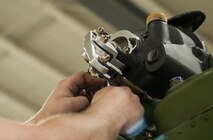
136,129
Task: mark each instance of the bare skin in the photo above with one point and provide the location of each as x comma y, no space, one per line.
65,99
111,112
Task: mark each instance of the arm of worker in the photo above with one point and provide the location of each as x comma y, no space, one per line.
112,111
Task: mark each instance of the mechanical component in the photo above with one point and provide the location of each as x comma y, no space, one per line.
100,30
104,38
152,56
156,16
166,53
176,81
125,50
104,58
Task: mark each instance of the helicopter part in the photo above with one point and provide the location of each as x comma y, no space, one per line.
164,65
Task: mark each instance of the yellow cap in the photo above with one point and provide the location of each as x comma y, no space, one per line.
156,16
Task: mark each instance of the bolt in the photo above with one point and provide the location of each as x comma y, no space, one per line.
100,30
192,124
179,131
125,50
104,38
104,58
206,118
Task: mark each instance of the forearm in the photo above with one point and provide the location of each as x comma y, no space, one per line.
103,119
10,130
81,127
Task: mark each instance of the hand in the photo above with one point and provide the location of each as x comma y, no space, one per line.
65,97
112,111
118,105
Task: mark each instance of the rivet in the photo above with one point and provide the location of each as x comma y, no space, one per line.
206,118
179,131
192,124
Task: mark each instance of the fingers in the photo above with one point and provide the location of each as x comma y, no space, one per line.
119,105
77,103
82,80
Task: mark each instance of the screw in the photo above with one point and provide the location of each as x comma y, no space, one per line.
125,50
104,38
104,58
100,30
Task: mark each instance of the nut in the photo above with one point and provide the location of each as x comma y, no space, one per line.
104,58
104,38
100,30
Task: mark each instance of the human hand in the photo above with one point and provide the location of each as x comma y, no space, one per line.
113,110
119,106
65,97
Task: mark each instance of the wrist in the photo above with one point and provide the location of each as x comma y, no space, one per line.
94,126
109,121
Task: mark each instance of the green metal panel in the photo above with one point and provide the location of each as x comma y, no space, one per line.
199,128
185,102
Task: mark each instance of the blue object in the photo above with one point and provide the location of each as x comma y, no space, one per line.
136,129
